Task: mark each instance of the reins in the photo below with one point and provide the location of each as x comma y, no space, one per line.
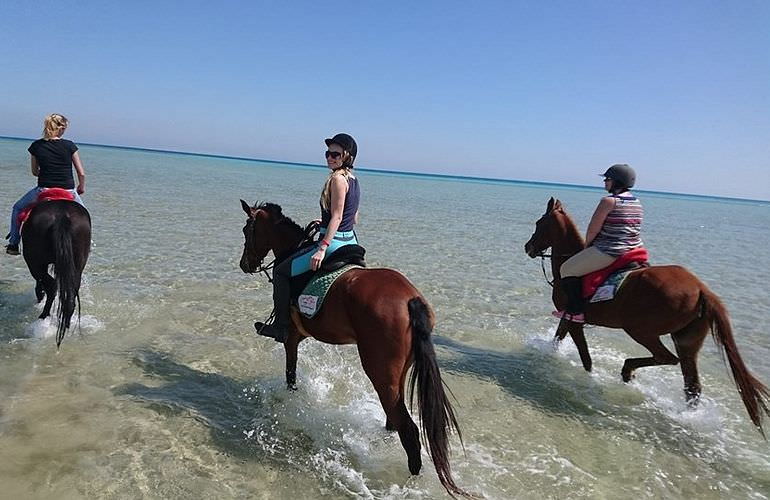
309,233
543,255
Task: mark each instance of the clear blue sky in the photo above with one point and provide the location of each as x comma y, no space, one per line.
551,91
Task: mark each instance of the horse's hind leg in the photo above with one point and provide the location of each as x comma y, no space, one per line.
389,384
398,419
48,283
660,355
688,342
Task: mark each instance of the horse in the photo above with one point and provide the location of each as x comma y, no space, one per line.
57,232
388,319
652,302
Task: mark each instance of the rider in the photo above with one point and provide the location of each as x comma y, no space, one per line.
339,213
614,230
52,159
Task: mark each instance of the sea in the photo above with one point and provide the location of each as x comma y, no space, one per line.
163,390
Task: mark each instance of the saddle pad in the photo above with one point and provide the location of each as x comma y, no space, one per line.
47,194
611,285
594,280
312,297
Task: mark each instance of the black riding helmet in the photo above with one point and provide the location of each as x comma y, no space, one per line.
622,174
347,143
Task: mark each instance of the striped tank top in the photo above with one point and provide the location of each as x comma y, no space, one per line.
620,232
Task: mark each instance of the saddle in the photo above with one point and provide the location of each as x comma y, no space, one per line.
348,255
601,285
47,194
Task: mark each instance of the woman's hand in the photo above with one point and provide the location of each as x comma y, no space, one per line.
81,188
317,258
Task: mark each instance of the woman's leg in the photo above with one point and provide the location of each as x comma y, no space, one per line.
580,264
587,260
18,207
282,274
78,198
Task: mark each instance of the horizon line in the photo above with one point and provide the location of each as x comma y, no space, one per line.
400,172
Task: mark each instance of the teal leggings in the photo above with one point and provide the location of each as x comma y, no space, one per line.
300,263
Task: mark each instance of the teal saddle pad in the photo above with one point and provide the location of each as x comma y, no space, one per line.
312,297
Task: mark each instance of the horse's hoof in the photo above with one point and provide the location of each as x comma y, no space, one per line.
692,400
627,377
291,386
415,466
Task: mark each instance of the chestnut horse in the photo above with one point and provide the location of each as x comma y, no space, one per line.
388,319
652,302
57,232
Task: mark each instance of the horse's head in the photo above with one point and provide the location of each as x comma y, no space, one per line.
546,228
267,229
256,237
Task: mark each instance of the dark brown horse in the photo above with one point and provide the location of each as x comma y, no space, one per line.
59,233
388,319
652,302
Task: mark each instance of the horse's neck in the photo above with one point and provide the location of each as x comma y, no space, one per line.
568,243
286,242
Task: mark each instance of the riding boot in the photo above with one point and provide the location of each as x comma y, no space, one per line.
573,287
279,328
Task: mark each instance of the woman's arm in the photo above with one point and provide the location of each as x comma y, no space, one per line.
34,166
338,189
81,173
597,220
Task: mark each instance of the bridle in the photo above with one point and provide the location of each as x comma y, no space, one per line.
308,234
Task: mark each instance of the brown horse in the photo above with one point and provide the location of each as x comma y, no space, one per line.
652,302
381,312
57,232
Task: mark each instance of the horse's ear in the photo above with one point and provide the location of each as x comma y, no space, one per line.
550,205
246,208
557,205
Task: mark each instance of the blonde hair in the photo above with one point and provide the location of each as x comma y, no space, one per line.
54,125
326,194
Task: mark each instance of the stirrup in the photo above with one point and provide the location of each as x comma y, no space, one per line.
573,317
272,331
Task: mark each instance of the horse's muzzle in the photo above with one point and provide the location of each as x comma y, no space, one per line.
529,248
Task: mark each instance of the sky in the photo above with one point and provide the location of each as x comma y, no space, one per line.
550,91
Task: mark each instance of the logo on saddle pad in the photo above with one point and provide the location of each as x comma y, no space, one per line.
312,297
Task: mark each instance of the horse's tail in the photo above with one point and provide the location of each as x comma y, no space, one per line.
437,417
65,270
754,394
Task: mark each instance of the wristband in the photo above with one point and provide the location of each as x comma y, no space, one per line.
323,244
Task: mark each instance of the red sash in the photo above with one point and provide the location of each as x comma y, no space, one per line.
47,194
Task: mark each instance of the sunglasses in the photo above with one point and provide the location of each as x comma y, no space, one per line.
333,154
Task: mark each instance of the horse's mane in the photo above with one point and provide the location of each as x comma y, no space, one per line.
276,215
570,227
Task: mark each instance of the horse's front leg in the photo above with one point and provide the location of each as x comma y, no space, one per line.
579,338
39,291
290,346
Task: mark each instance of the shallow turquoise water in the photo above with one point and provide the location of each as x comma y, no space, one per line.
165,391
